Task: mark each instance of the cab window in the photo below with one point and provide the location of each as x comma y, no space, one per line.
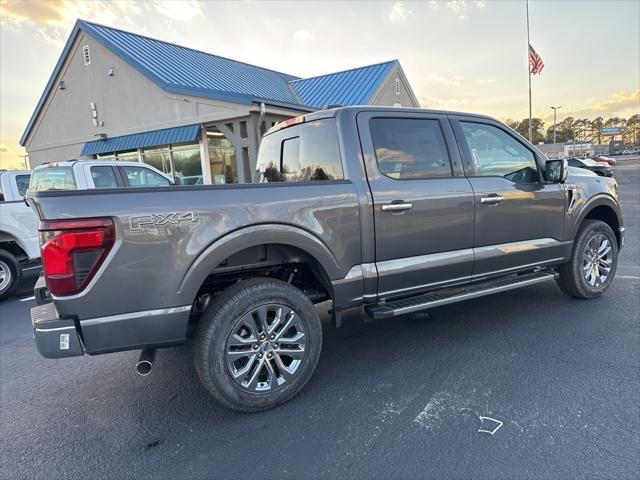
22,182
140,177
410,148
104,177
496,153
308,152
53,178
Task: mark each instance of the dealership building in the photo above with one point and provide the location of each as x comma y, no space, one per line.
118,95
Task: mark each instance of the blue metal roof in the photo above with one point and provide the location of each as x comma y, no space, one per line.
351,87
188,133
183,70
186,71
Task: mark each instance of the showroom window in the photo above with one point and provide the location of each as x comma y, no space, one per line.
179,161
222,159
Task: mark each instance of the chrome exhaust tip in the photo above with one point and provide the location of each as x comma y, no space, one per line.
145,362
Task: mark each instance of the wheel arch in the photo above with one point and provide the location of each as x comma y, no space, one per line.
605,209
293,242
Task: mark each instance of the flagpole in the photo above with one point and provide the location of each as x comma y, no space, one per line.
529,67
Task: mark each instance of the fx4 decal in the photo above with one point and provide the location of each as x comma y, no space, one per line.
159,219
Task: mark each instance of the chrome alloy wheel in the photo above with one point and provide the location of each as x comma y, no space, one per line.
266,348
597,260
5,276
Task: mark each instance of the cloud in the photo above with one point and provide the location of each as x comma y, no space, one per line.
621,104
459,7
485,81
455,81
621,101
303,35
399,13
54,18
179,10
435,102
5,149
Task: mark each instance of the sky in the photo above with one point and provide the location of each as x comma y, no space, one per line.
463,55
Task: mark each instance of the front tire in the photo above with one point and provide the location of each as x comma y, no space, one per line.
593,262
257,344
10,274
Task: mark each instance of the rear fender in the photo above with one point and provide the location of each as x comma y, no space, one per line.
244,238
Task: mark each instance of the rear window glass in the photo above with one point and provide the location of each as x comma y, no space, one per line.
52,178
22,181
308,152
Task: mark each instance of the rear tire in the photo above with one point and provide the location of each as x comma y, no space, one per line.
10,274
593,263
243,340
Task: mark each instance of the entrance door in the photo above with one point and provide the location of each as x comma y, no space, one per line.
423,205
519,217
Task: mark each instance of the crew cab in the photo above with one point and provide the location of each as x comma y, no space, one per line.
392,210
19,246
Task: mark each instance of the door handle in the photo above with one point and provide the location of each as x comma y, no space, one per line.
397,206
492,200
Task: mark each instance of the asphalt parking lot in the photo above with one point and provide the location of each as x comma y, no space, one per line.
559,378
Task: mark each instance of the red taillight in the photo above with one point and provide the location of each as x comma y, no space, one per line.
73,250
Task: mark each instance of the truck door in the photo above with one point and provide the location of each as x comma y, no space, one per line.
519,217
423,204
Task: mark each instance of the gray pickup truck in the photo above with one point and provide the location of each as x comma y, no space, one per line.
391,210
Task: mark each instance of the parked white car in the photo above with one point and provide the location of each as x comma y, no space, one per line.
19,244
19,248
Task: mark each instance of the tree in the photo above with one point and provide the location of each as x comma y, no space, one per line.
537,129
632,132
596,125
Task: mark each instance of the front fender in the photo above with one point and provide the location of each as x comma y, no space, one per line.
588,206
252,236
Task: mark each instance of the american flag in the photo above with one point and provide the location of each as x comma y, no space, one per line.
535,61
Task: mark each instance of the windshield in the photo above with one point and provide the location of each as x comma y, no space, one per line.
52,178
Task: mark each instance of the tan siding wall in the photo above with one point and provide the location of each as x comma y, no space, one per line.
127,103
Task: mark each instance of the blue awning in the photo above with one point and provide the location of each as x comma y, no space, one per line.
166,136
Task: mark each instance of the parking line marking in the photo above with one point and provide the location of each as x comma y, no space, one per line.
27,299
628,277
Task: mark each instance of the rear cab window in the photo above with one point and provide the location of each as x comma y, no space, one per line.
104,177
410,148
53,178
22,182
306,152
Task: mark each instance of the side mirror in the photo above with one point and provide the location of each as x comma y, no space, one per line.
557,170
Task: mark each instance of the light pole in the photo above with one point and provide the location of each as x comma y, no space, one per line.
555,110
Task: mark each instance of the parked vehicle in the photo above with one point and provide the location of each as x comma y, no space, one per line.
19,246
602,159
390,209
96,174
588,164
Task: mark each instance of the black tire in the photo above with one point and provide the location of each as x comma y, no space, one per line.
225,315
11,272
572,280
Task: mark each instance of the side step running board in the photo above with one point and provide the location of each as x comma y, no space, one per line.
455,294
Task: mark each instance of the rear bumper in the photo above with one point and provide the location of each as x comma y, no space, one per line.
55,337
63,337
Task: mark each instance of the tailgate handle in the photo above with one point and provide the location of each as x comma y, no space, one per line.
397,206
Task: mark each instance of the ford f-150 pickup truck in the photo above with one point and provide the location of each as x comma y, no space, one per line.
388,209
